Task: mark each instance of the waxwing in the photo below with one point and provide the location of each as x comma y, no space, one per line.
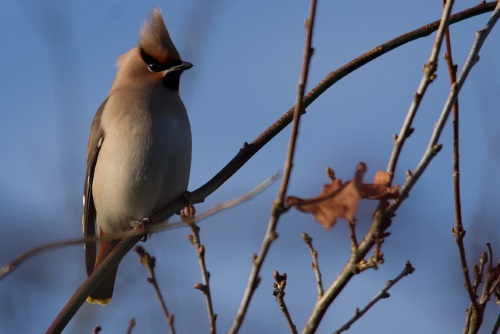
139,150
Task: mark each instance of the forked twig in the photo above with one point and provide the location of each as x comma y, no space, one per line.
149,262
205,287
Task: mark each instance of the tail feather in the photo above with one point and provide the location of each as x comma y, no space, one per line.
104,291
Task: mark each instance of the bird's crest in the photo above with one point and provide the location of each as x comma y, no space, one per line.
155,40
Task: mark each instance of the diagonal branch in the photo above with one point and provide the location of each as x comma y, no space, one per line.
149,262
407,270
278,207
427,78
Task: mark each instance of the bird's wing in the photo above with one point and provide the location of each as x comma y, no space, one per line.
89,214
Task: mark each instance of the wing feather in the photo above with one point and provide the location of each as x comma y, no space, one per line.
96,139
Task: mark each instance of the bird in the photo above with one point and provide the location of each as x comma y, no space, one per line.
139,148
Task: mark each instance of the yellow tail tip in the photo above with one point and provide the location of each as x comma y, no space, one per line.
101,302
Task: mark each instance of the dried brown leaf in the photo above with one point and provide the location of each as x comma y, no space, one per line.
338,200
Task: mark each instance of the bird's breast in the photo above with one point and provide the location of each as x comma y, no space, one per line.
144,162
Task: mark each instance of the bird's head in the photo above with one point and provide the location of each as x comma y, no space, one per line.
155,57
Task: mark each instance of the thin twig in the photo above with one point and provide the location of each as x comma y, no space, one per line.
427,78
279,293
149,262
278,207
407,270
474,315
354,240
226,205
131,325
299,108
205,287
12,265
458,230
314,264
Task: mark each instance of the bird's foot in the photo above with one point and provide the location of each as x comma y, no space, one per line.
188,212
141,224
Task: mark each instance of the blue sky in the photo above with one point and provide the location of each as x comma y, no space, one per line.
57,66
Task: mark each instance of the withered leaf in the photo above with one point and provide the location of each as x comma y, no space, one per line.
340,200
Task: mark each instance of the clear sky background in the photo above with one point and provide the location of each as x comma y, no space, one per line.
57,65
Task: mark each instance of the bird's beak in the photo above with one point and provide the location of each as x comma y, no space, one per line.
181,67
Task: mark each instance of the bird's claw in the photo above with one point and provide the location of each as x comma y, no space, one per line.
143,223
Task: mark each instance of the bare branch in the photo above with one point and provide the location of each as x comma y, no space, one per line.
205,287
315,265
278,207
427,78
458,230
149,262
90,284
279,293
407,270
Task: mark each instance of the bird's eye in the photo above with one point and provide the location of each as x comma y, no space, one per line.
154,67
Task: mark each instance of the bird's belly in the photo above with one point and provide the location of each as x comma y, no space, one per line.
142,172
